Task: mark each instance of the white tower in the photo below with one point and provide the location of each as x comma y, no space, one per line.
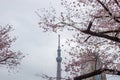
58,59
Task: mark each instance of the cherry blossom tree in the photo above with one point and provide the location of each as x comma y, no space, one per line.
8,57
101,55
95,25
47,77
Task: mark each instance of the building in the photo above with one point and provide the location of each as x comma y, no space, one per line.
89,67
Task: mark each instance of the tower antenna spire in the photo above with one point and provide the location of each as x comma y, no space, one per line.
59,41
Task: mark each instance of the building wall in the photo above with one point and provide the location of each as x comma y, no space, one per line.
89,67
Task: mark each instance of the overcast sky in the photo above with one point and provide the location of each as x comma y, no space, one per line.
40,48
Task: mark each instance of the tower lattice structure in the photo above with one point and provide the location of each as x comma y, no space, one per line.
59,60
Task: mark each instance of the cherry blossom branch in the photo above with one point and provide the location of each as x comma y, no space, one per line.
116,1
96,72
98,34
5,59
116,19
110,31
116,39
105,8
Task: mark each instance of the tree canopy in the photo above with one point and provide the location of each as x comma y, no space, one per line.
8,57
95,25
